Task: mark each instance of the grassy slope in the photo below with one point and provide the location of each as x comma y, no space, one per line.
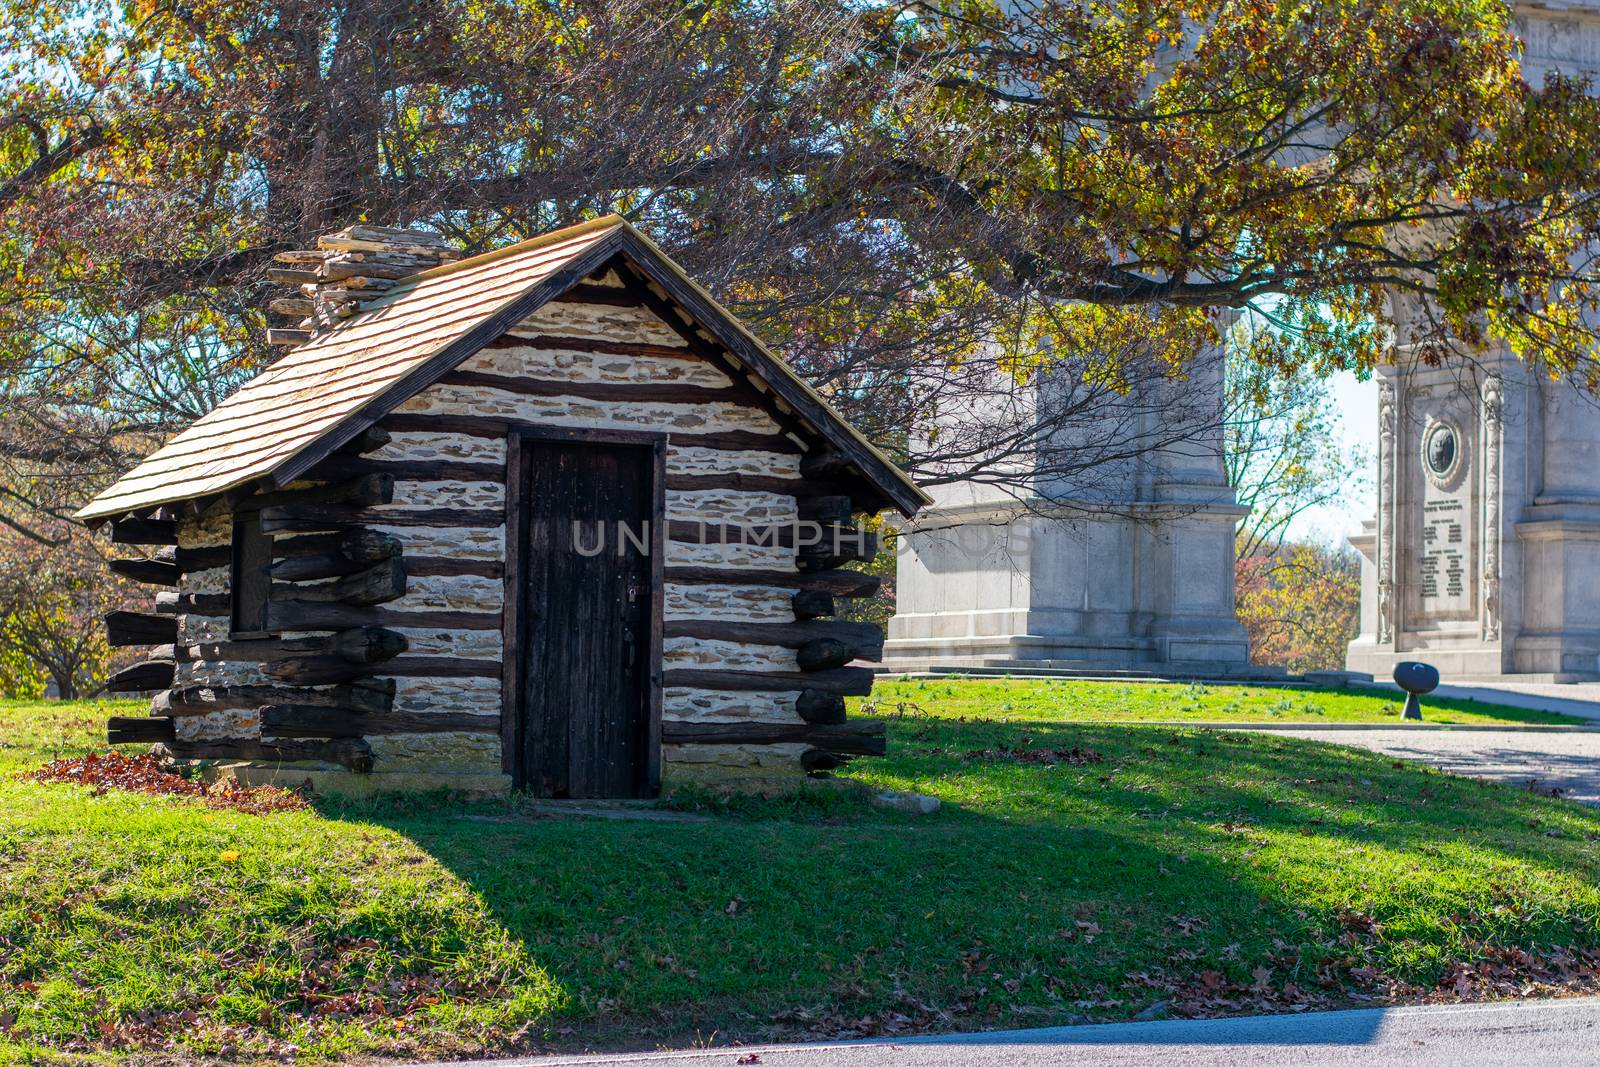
1041,894
1016,698
125,916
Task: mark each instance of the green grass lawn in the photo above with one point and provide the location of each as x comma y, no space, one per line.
1073,700
1136,866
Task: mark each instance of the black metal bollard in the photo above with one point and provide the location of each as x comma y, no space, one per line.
1415,679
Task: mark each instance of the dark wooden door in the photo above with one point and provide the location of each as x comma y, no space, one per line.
584,724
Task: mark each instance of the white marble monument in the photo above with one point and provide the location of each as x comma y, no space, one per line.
1484,557
1126,567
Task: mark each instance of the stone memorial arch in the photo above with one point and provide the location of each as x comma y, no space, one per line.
1125,567
1484,556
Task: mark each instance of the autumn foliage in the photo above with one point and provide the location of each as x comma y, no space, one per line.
914,201
145,774
1299,604
54,594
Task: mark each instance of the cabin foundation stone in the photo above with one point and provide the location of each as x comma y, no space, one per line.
322,778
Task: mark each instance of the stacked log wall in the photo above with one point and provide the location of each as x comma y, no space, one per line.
732,696
629,370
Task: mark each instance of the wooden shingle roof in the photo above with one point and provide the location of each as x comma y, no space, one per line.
322,394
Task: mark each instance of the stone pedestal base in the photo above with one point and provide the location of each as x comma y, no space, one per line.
1564,657
1453,663
1559,537
1035,652
1002,586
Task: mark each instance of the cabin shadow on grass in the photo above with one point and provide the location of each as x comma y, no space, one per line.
1211,874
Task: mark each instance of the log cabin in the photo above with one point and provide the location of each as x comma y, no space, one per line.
548,519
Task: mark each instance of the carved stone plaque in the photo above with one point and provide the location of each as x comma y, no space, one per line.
1443,561
1443,566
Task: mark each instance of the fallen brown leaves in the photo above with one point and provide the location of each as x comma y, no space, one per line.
1501,971
1339,972
908,1014
144,774
1025,753
1346,974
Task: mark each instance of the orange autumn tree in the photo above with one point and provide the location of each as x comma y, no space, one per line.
52,600
1299,604
1286,457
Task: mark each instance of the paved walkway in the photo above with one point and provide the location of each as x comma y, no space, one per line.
1551,1033
1568,760
1581,700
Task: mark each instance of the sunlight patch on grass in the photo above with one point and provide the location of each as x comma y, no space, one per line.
1051,699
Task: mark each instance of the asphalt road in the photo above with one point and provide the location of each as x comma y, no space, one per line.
1550,1033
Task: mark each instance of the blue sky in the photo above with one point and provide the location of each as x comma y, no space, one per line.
1357,402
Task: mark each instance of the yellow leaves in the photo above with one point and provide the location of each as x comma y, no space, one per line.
570,35
1299,606
1113,344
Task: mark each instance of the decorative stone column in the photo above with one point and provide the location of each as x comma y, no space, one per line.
1387,431
1490,405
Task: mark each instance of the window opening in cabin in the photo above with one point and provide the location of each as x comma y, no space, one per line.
251,578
